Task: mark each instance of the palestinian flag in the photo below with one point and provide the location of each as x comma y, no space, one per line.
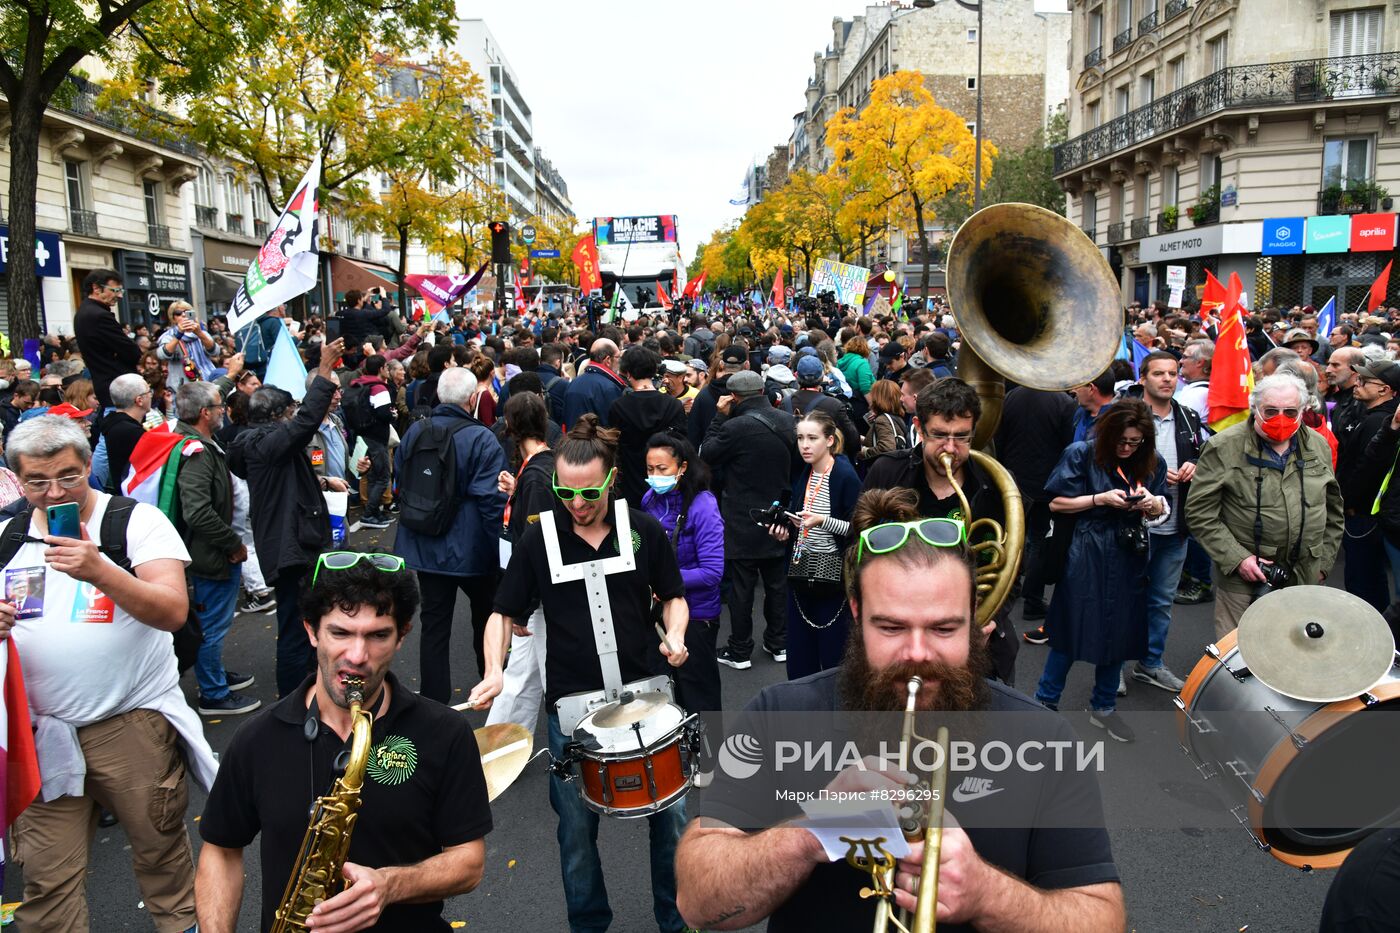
155,461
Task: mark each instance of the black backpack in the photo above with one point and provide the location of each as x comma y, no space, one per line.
355,408
428,484
114,523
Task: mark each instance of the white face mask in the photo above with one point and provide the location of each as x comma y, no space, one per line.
4,384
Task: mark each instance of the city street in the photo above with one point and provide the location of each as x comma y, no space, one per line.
1199,879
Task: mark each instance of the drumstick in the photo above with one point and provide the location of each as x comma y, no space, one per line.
662,632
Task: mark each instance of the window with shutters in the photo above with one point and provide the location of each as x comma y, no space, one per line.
1355,32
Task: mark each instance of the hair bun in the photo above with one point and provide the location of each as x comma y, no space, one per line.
880,506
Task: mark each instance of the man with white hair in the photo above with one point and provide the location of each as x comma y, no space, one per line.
450,522
1264,501
122,428
1196,359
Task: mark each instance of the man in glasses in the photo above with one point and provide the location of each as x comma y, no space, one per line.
585,519
1264,495
947,412
1365,565
123,427
107,350
419,833
1005,863
113,727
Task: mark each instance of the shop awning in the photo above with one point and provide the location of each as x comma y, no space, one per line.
220,287
347,274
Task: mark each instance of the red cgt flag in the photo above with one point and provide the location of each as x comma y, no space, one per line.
586,259
1231,378
695,286
661,295
779,297
1378,289
1217,299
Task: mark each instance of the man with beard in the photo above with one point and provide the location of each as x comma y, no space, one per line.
912,600
418,837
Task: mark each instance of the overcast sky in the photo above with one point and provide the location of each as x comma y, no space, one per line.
650,107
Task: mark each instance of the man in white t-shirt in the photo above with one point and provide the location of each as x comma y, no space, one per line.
112,728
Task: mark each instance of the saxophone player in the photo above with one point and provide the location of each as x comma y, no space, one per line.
418,836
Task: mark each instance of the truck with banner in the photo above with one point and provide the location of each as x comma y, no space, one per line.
642,254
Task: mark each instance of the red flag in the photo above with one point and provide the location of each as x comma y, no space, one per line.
1217,299
525,268
1378,289
661,295
19,765
586,259
695,286
779,297
520,304
1231,378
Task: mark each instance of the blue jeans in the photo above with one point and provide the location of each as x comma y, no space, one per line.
1197,561
101,469
1052,682
1165,557
214,601
585,895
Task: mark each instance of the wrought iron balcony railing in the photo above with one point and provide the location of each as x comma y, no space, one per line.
1094,57
1147,24
233,223
1279,83
1174,9
1123,39
157,235
80,100
1117,232
206,217
1166,224
260,229
1139,228
83,223
1344,201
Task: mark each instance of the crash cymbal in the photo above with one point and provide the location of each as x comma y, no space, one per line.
638,709
1316,643
505,748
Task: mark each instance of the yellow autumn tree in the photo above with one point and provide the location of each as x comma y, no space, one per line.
900,153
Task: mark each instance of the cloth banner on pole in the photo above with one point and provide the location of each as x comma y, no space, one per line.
285,370
439,291
288,262
585,257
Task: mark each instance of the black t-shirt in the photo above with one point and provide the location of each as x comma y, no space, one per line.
423,792
639,415
571,661
1045,826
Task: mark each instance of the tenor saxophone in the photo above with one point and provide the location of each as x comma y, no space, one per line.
316,874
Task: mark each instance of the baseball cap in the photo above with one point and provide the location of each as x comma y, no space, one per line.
745,382
807,351
784,328
779,353
891,350
780,374
673,367
734,356
809,370
700,366
1386,371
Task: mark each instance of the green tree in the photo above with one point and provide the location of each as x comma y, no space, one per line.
44,40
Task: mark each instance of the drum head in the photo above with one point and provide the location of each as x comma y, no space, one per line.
1316,643
1341,786
621,728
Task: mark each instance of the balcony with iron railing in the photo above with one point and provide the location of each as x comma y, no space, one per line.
206,217
1123,39
1359,196
233,223
1095,57
1117,232
1174,8
1139,227
1147,24
79,98
83,223
158,235
1349,78
1166,222
260,228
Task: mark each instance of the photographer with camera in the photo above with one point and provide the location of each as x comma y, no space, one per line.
1264,501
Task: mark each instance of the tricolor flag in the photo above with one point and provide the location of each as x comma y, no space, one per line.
288,261
19,765
155,460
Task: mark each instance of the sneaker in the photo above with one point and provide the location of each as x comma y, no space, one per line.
1122,685
1193,595
351,528
392,508
779,656
231,705
1053,707
106,819
237,682
258,602
376,521
730,658
1113,724
1158,677
1033,610
1036,636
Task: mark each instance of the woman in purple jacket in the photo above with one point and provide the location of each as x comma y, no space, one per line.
679,500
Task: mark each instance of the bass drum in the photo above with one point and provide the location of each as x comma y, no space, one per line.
1315,778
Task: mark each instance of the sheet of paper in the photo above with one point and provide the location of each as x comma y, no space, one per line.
858,818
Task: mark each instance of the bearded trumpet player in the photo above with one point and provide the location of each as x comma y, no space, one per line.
403,824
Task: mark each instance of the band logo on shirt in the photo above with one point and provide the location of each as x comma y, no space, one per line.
392,761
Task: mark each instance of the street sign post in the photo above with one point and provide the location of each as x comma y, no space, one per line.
544,254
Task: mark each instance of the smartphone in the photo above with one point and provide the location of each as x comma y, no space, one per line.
796,519
63,520
332,329
1137,498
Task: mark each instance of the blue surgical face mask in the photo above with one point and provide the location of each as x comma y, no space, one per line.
662,484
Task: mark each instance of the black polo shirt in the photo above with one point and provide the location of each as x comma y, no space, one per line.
423,792
1044,826
571,656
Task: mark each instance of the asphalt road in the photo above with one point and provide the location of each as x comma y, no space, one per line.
1205,877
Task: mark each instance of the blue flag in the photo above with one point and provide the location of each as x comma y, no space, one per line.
285,370
1327,319
1139,354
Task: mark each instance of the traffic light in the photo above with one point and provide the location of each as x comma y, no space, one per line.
500,241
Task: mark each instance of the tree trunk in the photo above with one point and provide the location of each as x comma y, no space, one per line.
923,241
403,271
26,115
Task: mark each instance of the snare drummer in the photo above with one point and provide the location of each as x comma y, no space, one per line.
584,475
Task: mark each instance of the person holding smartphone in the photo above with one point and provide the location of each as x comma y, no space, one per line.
1113,488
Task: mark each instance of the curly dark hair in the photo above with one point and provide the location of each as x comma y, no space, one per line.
392,594
949,397
1126,413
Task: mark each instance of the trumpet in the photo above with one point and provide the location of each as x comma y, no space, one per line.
917,820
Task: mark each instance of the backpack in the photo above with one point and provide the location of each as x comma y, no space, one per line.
115,520
356,409
428,484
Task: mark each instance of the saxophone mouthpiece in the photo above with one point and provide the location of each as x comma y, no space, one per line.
355,689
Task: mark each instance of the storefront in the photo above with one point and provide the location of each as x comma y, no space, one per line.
225,265
152,282
1307,260
1217,248
48,270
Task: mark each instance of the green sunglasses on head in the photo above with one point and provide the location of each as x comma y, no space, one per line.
589,493
891,536
344,560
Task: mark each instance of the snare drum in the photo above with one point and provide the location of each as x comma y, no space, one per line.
1294,760
635,758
